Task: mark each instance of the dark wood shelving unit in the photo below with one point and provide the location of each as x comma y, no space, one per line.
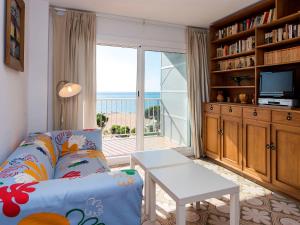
234,55
220,80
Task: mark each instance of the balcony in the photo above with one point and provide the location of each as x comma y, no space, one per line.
118,121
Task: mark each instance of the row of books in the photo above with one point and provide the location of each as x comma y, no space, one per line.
282,56
287,32
238,63
264,18
238,47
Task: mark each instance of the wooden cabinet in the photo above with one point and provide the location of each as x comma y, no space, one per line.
231,141
260,142
256,149
211,135
286,158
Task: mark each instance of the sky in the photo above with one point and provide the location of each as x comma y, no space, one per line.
117,69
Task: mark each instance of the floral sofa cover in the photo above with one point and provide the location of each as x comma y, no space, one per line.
62,178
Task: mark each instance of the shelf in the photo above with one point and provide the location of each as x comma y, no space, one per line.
278,64
234,55
280,21
235,36
278,44
232,87
235,70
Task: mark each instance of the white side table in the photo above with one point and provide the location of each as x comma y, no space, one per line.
155,159
190,183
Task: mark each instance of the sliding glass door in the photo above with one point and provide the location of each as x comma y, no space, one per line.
141,100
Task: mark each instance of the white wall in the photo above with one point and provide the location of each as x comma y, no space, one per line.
38,20
17,87
13,99
131,32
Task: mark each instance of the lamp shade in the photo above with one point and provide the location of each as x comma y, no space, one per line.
69,90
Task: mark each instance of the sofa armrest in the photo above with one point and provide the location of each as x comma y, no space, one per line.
109,198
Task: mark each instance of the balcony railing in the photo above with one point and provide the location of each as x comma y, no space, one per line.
118,116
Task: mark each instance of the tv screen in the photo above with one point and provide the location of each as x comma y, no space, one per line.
277,84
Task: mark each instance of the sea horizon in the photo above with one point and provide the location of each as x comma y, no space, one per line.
123,102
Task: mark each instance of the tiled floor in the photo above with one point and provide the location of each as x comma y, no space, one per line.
258,205
124,146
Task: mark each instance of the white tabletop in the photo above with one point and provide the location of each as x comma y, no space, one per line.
159,158
191,182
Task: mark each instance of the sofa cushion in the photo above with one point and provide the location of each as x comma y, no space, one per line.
28,163
74,140
80,164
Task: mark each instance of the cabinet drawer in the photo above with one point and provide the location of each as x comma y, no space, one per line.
286,117
257,114
231,110
212,108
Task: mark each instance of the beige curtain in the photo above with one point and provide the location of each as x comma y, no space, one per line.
197,60
74,58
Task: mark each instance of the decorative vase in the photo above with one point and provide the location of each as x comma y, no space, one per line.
220,97
243,98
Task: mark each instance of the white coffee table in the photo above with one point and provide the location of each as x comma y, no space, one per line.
190,183
155,159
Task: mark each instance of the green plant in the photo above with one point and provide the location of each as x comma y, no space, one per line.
124,130
101,120
133,131
153,112
115,129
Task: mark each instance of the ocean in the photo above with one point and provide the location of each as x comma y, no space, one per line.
123,102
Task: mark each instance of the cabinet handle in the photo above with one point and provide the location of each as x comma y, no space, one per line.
254,113
230,109
211,107
268,146
272,147
221,132
289,116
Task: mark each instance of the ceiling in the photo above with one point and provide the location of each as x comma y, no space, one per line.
184,12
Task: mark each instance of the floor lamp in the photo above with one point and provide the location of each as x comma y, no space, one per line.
65,89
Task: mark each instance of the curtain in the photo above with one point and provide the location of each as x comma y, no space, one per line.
197,63
74,60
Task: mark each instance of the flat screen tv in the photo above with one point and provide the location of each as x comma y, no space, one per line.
277,84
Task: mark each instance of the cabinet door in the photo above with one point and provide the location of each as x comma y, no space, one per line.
286,158
256,149
231,141
211,135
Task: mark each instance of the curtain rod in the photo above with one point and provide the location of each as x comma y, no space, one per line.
57,8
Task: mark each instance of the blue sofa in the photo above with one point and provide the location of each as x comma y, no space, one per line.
62,178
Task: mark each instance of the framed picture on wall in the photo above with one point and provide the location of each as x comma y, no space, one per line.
14,39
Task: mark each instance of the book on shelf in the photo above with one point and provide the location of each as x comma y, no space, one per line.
289,31
282,56
247,24
237,63
237,47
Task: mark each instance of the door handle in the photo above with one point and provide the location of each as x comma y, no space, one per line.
254,113
221,132
230,109
268,146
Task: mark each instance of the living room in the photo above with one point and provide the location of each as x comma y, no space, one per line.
150,112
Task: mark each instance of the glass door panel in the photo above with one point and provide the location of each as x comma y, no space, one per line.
166,123
116,99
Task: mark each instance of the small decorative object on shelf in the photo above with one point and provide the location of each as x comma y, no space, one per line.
239,79
228,99
220,96
235,99
243,98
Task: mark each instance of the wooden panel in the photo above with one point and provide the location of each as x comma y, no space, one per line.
256,151
291,118
256,113
286,159
231,110
231,141
211,135
212,108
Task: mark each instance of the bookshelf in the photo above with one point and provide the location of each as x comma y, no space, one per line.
265,23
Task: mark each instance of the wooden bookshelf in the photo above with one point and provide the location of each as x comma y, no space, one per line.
235,55
288,12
